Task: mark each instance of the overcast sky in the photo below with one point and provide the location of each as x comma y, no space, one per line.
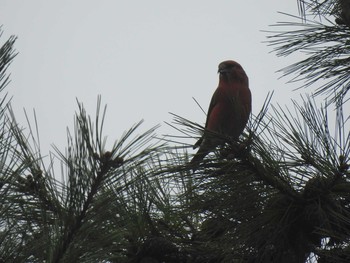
145,58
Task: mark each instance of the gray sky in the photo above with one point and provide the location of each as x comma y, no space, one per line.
146,58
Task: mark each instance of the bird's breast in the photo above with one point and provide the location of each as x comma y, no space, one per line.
231,111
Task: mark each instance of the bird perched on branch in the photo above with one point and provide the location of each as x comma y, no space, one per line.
229,109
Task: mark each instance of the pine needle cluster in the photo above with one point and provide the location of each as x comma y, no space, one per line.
279,194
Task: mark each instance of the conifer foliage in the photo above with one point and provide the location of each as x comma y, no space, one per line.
279,194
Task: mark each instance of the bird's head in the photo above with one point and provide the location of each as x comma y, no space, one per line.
231,70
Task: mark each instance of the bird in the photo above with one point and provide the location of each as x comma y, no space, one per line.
228,112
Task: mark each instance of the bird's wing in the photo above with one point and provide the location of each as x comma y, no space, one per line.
212,104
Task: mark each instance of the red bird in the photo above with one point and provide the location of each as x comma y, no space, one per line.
229,109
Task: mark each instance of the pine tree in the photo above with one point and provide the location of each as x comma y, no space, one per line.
281,194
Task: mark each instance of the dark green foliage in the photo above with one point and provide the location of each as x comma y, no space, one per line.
324,43
284,195
280,194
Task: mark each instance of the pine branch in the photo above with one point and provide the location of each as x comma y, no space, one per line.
95,174
325,45
316,7
284,185
7,54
